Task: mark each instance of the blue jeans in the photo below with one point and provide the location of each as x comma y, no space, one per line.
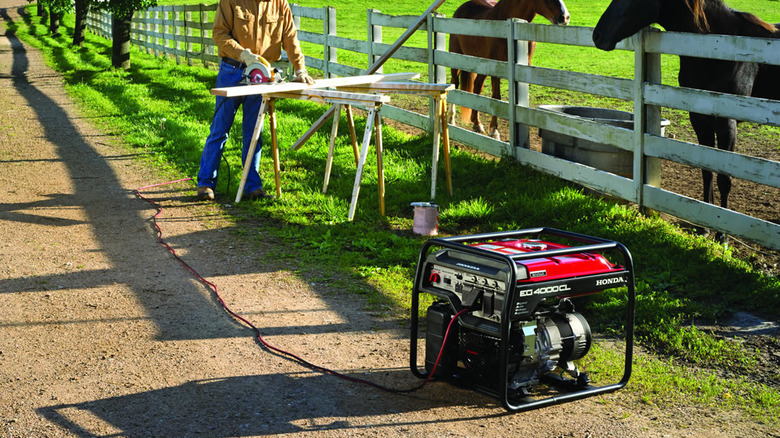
224,113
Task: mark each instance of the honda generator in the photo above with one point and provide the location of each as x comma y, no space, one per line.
503,320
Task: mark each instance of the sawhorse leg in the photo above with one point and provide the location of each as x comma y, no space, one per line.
274,146
333,132
380,171
352,135
440,130
445,132
251,151
372,114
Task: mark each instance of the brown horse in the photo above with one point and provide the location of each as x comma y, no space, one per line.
495,48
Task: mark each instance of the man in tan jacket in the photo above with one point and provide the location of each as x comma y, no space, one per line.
244,31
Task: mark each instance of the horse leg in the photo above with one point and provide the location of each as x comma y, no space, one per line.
495,82
727,138
705,132
707,128
531,48
478,84
455,75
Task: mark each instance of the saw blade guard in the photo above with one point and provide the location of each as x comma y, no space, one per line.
261,72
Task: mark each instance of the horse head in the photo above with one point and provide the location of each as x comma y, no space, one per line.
622,19
553,10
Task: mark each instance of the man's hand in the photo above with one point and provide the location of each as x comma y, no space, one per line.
247,57
303,76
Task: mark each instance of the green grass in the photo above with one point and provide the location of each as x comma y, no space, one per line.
163,111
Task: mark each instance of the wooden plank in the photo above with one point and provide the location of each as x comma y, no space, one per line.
471,27
745,167
728,47
617,88
475,64
578,127
753,109
347,44
249,90
604,182
397,21
306,12
433,90
322,95
414,54
712,216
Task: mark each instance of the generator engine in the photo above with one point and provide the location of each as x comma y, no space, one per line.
537,347
503,318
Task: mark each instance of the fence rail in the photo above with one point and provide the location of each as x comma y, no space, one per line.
184,33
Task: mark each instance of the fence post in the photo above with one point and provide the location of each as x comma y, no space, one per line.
439,72
518,91
176,40
436,74
374,36
149,32
166,27
647,118
517,53
330,53
201,22
188,36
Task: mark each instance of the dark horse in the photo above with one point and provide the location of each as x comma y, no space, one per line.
495,48
623,18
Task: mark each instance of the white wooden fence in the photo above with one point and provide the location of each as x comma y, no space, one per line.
184,32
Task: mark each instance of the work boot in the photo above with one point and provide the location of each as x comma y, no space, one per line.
205,194
258,195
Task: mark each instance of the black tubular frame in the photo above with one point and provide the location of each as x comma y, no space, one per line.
590,244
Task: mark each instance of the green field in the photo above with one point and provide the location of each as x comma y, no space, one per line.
162,111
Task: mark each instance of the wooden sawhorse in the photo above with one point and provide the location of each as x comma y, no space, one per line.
373,102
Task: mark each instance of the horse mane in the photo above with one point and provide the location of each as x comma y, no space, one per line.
752,19
700,16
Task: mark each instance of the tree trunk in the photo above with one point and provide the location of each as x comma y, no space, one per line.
79,29
41,8
44,12
54,23
120,33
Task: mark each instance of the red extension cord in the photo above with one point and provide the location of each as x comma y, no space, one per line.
254,328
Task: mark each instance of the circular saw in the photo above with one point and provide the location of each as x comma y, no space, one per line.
261,72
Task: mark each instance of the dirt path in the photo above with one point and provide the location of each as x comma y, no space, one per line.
103,333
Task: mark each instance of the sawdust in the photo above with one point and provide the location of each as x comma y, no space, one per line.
103,333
